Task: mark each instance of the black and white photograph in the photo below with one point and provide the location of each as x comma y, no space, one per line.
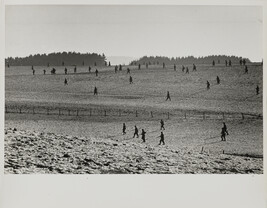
133,89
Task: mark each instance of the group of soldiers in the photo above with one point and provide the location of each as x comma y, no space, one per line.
143,132
224,132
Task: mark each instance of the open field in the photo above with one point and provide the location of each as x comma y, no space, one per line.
235,95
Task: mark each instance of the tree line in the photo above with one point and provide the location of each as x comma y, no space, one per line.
58,59
159,60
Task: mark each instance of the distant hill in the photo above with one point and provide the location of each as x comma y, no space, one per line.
58,59
116,60
156,60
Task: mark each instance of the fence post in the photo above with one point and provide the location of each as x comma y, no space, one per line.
243,116
151,113
136,113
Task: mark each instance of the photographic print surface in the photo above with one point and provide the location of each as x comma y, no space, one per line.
133,90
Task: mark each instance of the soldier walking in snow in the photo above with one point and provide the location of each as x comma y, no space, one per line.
143,135
123,129
218,80
208,85
161,139
135,132
162,125
95,91
168,96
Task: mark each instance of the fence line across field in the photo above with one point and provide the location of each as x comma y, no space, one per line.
106,112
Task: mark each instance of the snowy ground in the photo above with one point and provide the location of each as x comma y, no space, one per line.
37,152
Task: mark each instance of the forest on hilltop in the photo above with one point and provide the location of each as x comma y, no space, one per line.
156,60
58,59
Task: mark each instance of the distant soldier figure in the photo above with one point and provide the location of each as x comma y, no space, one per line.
116,69
120,68
131,80
75,69
128,71
218,80
246,70
244,61
161,139
223,135
163,65
213,63
33,71
225,128
257,89
174,67
89,69
183,68
44,71
240,62
95,91
226,63
66,82
143,135
123,129
66,70
208,85
187,70
168,96
96,72
53,71
109,63
7,65
139,66
162,125
32,68
194,67
146,65
135,132
230,63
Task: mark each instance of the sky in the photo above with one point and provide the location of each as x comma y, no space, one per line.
135,31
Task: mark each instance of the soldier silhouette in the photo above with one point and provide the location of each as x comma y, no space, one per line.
161,139
162,125
65,82
96,72
246,70
225,128
123,129
208,85
139,66
230,63
226,63
223,135
218,80
135,132
174,67
183,68
194,67
128,71
213,63
168,96
75,69
95,91
257,89
89,69
131,80
44,71
187,70
66,70
143,135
